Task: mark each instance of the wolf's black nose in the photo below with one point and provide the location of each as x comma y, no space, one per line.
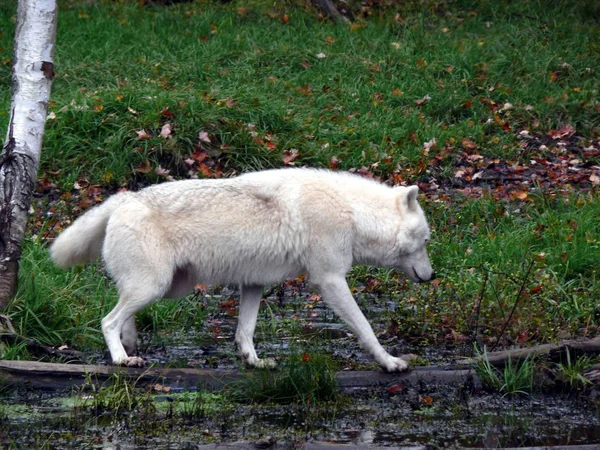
433,277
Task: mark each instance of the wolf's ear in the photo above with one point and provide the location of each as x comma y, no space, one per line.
407,198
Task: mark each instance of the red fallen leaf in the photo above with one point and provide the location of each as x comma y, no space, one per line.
289,156
421,63
271,145
305,64
573,224
554,76
199,156
562,132
144,167
522,337
142,135
467,104
228,304
305,357
205,170
165,112
426,400
285,18
334,163
395,389
397,92
535,289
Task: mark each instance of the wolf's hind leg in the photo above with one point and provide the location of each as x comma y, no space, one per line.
249,305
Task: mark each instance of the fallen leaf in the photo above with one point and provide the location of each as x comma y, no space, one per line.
426,400
289,156
321,55
395,389
468,144
334,163
203,135
145,167
562,132
166,131
162,172
423,100
305,357
142,135
429,145
595,179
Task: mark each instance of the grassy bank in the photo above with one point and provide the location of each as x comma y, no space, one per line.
208,90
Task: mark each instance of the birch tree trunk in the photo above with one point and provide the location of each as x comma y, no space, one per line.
33,70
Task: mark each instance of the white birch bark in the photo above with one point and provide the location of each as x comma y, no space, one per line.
33,70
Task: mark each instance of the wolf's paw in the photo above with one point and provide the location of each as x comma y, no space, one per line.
264,363
131,361
393,364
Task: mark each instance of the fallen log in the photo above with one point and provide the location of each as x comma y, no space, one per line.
553,351
56,376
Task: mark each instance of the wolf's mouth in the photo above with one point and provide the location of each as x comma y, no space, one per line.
421,280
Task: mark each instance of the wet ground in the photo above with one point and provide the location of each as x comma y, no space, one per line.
459,416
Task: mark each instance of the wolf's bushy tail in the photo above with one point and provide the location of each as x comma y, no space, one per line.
82,241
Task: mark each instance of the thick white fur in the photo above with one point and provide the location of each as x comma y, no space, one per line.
256,229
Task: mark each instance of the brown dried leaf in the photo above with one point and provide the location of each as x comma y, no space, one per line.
145,167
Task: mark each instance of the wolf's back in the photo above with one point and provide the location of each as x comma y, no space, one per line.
82,241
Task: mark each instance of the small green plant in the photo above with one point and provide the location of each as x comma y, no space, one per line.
515,379
117,395
16,351
518,378
199,405
304,378
571,373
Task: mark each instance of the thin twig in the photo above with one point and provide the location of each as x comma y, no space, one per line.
475,329
521,290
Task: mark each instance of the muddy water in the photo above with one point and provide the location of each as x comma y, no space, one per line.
451,417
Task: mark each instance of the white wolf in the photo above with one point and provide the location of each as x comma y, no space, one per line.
259,228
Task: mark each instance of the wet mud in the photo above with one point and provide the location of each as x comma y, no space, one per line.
460,416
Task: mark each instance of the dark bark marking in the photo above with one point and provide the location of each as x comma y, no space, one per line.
48,69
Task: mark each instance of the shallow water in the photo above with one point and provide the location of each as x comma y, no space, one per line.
432,416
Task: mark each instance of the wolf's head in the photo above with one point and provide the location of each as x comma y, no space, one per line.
412,237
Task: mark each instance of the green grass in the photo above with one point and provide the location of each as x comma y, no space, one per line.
571,371
496,241
258,88
304,378
514,379
119,65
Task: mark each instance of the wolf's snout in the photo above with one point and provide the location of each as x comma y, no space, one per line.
421,279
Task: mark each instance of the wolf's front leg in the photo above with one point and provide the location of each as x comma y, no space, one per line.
337,295
249,305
